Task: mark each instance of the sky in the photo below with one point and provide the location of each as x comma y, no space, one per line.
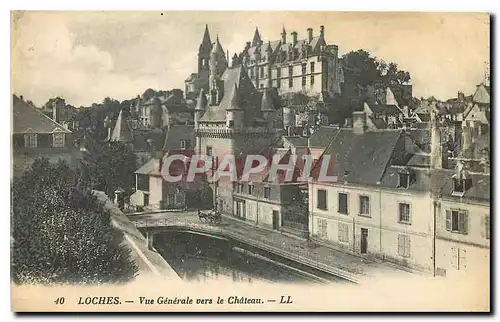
87,56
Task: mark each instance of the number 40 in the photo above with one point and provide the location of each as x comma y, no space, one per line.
59,300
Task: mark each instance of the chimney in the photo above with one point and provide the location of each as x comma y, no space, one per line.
322,31
310,34
358,122
436,149
294,36
247,47
21,98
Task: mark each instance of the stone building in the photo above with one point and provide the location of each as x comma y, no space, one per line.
291,64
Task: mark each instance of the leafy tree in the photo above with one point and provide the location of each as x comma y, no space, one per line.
61,233
111,165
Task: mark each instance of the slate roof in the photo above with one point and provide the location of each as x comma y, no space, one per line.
360,158
150,168
148,140
176,133
26,118
296,141
322,137
122,131
250,98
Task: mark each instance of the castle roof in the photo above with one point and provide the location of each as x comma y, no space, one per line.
250,98
206,43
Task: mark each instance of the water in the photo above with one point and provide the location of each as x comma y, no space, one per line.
201,258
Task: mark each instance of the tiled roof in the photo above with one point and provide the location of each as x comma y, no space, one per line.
26,118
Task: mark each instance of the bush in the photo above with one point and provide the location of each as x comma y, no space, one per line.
61,233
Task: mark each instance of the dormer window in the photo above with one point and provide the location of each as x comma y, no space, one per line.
184,144
461,181
404,177
30,140
58,140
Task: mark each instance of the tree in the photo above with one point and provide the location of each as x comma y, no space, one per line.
61,233
112,166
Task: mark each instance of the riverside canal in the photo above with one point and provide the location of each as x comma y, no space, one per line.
201,258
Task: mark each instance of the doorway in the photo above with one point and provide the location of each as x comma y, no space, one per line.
364,240
276,218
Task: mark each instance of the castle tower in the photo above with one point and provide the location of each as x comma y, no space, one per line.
267,107
204,52
256,38
218,65
234,113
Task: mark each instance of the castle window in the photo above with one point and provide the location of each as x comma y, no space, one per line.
262,72
304,67
304,82
290,71
459,185
290,82
312,67
184,144
278,83
312,79
278,72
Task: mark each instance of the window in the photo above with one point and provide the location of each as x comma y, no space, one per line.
58,140
487,227
278,83
230,123
209,150
278,73
30,140
343,203
459,185
364,205
262,72
457,221
343,233
290,82
404,213
213,97
290,71
250,189
261,85
304,81
403,245
312,79
322,228
240,188
267,192
184,144
321,202
312,67
304,67
404,180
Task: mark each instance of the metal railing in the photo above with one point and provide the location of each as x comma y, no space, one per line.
276,244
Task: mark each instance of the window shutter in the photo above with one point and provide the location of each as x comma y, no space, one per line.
463,222
400,245
448,220
408,241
